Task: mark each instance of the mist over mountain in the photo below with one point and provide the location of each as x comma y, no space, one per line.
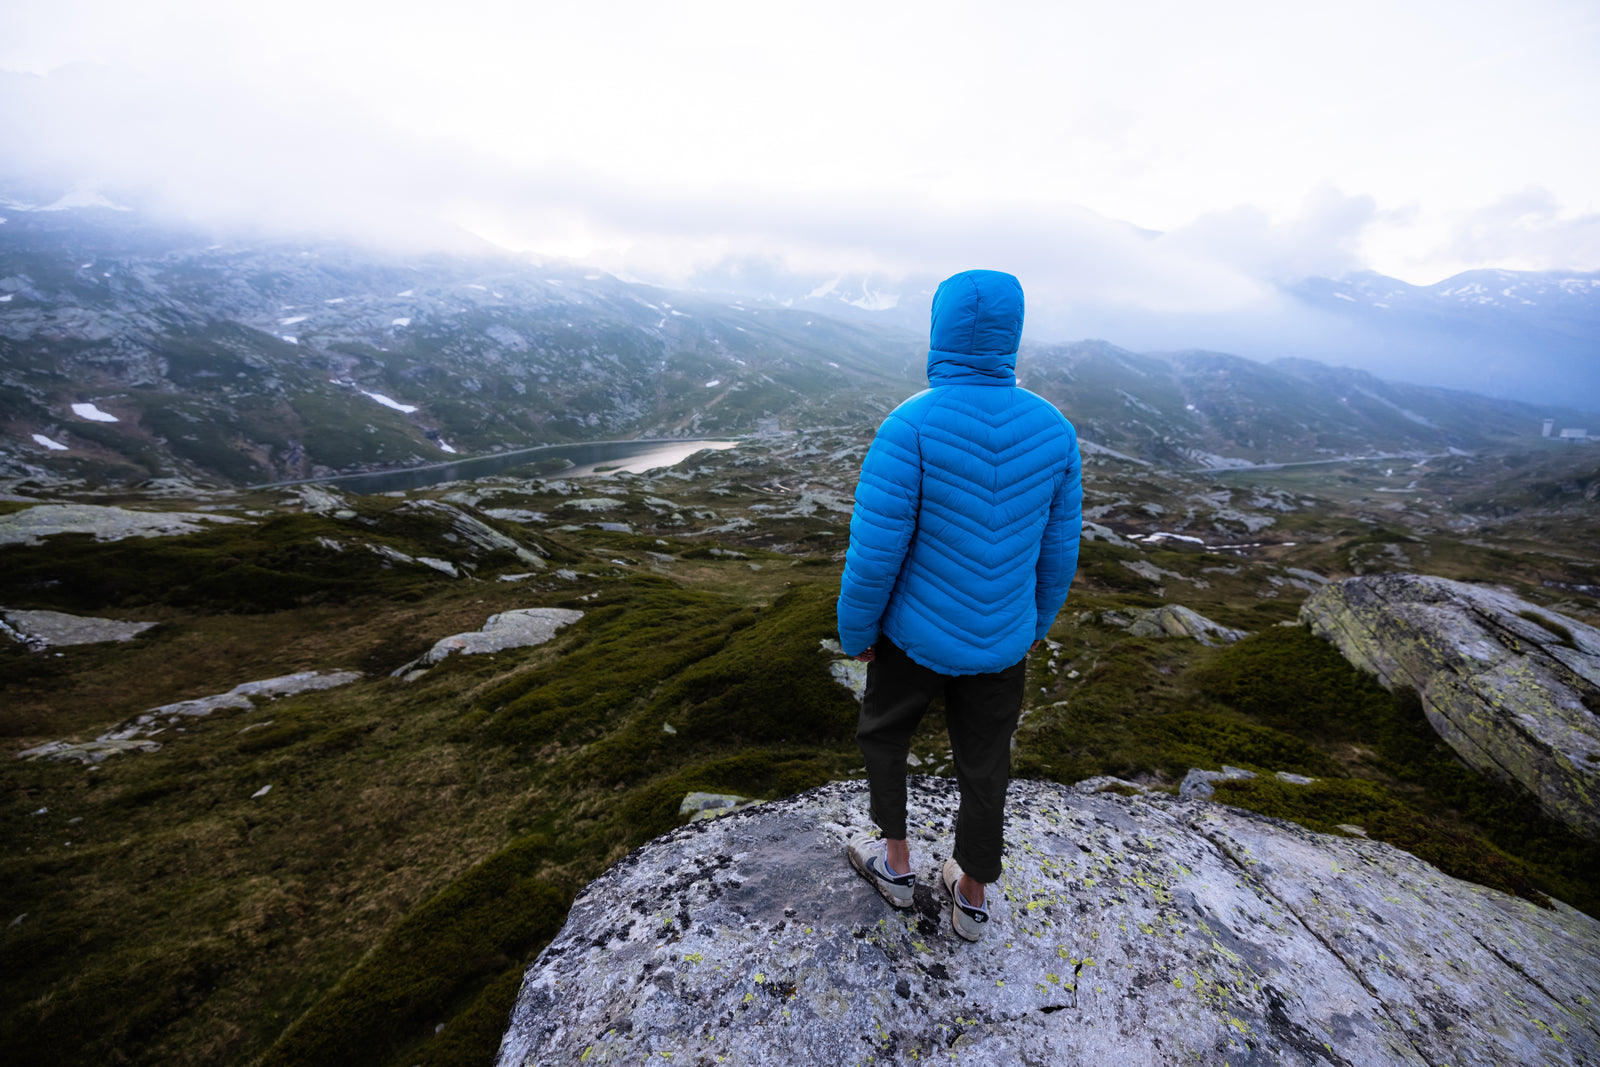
131,349
1521,335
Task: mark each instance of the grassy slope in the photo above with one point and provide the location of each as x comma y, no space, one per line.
421,840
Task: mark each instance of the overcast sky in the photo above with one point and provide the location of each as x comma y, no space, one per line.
1175,154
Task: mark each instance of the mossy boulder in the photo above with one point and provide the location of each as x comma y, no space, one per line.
1135,930
1513,688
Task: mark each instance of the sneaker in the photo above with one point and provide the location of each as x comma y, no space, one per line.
869,855
967,920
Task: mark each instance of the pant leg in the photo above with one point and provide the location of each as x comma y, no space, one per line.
898,693
982,711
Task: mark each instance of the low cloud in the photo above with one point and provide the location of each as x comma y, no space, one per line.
1322,239
303,161
1527,230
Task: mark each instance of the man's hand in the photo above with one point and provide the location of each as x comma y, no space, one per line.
868,654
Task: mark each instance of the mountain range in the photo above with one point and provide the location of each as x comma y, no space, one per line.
1531,336
132,350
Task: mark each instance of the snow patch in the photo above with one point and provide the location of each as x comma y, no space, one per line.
388,403
335,300
713,383
400,322
83,197
870,301
447,448
408,292
54,446
92,413
291,340
293,320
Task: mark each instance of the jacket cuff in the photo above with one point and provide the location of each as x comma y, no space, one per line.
856,641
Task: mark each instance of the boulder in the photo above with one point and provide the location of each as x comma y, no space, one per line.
1175,620
133,735
32,525
1127,930
1512,687
42,629
518,628
474,531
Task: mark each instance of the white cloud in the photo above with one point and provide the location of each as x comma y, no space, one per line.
1527,229
674,135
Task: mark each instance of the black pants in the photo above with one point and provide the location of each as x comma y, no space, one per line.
981,711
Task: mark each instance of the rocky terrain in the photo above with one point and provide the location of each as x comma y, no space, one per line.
1513,689
361,873
1140,930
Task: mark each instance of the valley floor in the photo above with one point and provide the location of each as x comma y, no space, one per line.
361,874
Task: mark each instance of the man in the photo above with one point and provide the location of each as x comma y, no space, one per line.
963,543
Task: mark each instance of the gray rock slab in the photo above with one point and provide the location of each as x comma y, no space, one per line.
134,734
46,628
1175,620
1197,784
1126,930
106,523
475,531
520,628
1514,697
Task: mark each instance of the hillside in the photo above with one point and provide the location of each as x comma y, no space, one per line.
359,874
131,352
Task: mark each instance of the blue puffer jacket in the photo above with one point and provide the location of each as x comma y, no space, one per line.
967,516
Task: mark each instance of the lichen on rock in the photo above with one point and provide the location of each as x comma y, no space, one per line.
1135,930
1511,687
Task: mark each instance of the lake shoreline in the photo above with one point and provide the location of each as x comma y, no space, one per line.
499,461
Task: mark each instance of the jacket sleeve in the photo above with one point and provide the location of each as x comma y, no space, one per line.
881,526
1058,553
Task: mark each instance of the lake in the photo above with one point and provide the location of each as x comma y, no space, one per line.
587,458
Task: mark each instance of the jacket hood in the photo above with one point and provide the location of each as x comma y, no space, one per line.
977,327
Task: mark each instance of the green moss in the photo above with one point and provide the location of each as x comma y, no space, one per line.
269,567
1291,679
653,809
115,1005
1198,739
447,950
624,647
472,1034
1295,681
1561,633
1101,564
